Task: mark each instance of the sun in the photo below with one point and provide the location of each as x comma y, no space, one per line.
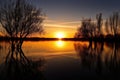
60,35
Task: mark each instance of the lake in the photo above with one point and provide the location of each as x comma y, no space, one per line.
70,60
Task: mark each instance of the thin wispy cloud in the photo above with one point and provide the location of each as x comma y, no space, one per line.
71,22
61,24
58,26
50,21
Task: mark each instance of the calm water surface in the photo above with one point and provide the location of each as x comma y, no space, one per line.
70,60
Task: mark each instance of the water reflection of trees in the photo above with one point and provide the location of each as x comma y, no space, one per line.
18,67
95,58
113,63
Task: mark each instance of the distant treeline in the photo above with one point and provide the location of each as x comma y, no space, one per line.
97,39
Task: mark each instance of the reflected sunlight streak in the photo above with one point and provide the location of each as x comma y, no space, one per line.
60,43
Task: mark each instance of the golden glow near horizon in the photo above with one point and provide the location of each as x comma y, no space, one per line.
60,35
67,29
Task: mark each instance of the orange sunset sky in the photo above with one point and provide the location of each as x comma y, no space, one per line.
67,29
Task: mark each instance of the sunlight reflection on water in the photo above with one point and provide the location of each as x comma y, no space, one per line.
72,59
60,43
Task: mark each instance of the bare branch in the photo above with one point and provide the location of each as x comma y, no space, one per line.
20,18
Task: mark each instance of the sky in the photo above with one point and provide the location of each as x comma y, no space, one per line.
65,15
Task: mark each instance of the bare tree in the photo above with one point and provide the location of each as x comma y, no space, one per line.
107,28
99,23
90,28
114,23
87,29
20,19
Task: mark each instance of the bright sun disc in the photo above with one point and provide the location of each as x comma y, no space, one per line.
60,35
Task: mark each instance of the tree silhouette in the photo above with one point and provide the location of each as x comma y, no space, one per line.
94,29
114,23
20,19
107,28
99,23
86,30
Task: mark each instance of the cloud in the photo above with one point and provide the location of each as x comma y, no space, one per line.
58,26
61,24
72,22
